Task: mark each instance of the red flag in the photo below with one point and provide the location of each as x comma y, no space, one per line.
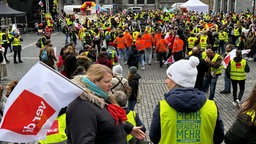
227,59
170,60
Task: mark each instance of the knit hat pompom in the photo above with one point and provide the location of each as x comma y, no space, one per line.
193,61
184,72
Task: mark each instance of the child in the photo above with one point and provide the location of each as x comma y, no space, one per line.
132,116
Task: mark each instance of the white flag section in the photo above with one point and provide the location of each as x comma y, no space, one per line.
231,55
35,103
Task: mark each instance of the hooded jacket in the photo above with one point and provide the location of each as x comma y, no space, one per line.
185,100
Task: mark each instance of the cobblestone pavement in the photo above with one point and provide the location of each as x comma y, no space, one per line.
152,82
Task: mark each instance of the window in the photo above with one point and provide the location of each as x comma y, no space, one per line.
131,2
140,1
150,1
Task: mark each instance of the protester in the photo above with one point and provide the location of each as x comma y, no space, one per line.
161,50
118,78
50,54
132,116
185,110
243,129
201,67
3,67
236,72
227,82
133,80
213,61
17,48
133,58
94,116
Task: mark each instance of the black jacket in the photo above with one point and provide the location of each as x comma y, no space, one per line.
241,132
88,123
134,84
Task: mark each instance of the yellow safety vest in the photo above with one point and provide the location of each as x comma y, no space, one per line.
237,70
191,42
236,32
16,41
1,39
131,118
188,128
252,115
204,55
203,42
57,134
221,36
135,35
216,70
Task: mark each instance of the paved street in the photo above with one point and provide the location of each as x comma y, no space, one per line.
152,83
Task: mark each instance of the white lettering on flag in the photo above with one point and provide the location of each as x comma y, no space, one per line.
35,103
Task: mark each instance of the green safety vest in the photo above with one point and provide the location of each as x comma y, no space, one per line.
131,118
16,41
237,70
59,135
216,70
188,128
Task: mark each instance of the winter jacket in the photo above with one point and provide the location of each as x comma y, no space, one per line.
89,121
186,100
134,83
241,132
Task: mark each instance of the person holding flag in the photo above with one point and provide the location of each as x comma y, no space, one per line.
95,117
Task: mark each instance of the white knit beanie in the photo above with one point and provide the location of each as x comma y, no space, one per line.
117,70
184,72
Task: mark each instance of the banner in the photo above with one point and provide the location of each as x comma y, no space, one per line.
35,103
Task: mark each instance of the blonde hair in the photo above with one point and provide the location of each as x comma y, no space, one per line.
97,72
69,49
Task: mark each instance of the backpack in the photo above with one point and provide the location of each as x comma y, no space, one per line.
44,55
38,43
125,87
1,57
107,37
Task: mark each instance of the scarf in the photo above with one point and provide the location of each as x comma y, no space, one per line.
117,113
94,88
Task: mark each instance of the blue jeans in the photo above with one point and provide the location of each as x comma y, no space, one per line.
122,53
227,83
141,60
131,104
210,81
148,55
66,40
128,50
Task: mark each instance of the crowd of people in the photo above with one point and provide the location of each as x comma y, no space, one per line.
105,112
